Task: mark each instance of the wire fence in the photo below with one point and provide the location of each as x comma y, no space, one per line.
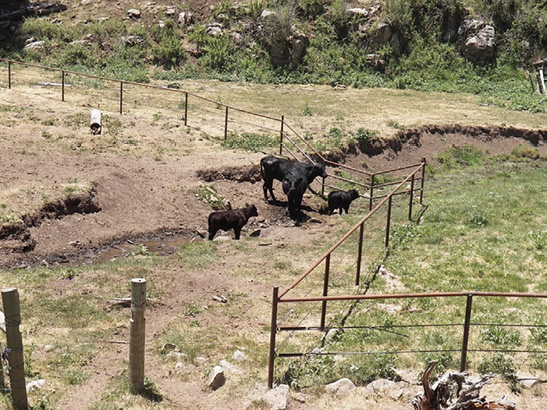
368,322
195,111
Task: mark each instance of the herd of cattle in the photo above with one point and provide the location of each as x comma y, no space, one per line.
295,178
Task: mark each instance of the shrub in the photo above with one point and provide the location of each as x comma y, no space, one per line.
218,53
208,194
500,365
364,135
501,337
168,50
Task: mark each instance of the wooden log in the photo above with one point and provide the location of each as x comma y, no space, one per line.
440,395
137,334
10,301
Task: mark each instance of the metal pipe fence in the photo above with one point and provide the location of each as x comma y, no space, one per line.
131,97
282,297
458,331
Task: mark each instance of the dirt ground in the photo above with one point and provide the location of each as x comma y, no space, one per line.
137,197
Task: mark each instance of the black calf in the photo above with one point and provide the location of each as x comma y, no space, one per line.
234,219
341,200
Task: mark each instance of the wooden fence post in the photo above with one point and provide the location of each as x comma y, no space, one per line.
2,382
12,312
411,198
9,75
422,182
273,331
388,220
359,255
137,334
371,192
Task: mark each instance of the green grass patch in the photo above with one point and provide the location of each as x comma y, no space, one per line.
253,142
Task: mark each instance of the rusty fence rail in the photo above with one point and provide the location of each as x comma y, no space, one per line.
325,261
280,297
119,94
466,325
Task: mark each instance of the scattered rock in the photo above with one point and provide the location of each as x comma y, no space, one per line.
36,45
216,378
170,11
185,18
358,12
330,335
255,234
215,30
396,394
169,347
132,40
239,356
134,13
230,368
279,398
478,44
267,13
220,298
300,397
37,384
383,386
527,380
342,387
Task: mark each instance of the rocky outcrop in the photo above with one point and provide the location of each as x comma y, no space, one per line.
478,41
286,45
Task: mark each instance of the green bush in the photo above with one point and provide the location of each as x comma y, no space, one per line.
218,53
168,50
502,366
501,337
364,135
46,30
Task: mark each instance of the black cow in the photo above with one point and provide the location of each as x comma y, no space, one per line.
233,219
275,168
294,185
341,200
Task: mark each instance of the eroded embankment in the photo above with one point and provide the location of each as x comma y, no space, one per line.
16,237
17,243
412,137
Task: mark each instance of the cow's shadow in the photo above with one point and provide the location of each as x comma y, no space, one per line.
298,217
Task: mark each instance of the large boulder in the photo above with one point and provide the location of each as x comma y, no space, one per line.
478,41
384,33
286,45
289,50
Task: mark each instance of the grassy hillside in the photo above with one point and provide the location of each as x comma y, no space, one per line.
98,37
